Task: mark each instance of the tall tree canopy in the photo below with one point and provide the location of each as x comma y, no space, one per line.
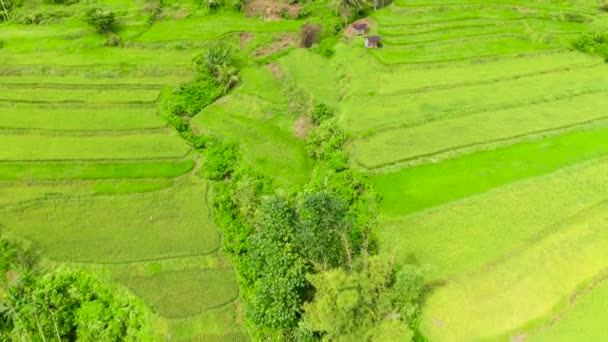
65,305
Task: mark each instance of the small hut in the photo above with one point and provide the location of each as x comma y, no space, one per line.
360,28
372,42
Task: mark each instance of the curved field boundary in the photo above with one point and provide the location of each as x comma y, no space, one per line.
480,145
467,111
90,171
83,132
71,102
491,80
160,293
400,61
510,3
104,86
581,240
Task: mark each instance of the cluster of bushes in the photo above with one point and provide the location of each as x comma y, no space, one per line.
36,18
62,304
7,7
101,19
62,2
216,72
603,5
297,254
595,43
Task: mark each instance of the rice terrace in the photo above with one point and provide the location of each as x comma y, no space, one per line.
303,170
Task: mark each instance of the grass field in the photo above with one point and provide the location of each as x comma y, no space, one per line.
92,175
486,139
484,134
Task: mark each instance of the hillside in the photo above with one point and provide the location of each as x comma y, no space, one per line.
475,138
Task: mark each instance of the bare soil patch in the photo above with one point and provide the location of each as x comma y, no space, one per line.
275,69
281,43
245,38
272,10
302,126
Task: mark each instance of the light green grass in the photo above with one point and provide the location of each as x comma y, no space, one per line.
314,74
20,94
221,324
138,146
584,319
92,170
105,229
525,288
465,235
419,108
187,292
212,27
263,128
81,118
428,185
466,49
72,81
475,130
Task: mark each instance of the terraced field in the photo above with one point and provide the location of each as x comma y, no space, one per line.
487,140
94,177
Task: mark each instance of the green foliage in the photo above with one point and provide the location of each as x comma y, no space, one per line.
73,305
323,231
64,304
36,18
325,140
189,98
602,5
321,113
327,46
408,291
221,159
345,7
279,270
595,43
101,19
62,2
349,305
219,61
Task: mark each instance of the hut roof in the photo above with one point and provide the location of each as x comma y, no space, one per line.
360,26
373,39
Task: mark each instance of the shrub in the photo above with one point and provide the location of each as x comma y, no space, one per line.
327,47
219,61
102,20
213,5
221,159
62,2
325,139
2,44
575,17
321,113
191,97
596,43
309,34
603,5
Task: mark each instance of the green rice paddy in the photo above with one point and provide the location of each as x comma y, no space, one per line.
486,138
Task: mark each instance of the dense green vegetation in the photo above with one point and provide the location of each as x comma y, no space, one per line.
250,171
63,304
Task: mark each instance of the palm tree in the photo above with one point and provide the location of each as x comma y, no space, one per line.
344,7
5,9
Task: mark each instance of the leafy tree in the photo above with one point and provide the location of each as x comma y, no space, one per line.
603,4
323,231
220,62
326,139
275,302
344,7
63,305
220,160
350,304
408,291
102,20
